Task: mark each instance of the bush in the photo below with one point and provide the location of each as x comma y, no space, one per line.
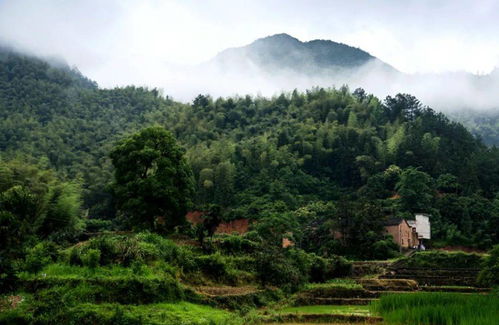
285,268
213,265
107,245
52,292
442,259
142,248
324,269
489,276
385,249
232,244
40,255
341,267
91,258
319,269
98,225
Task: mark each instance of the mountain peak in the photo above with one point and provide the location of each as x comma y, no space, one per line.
279,37
282,51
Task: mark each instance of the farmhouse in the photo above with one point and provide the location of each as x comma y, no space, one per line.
402,232
409,233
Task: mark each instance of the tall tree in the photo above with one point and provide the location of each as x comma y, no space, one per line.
414,188
153,182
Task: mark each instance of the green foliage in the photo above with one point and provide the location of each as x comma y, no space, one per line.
126,249
258,158
438,308
489,275
34,206
292,268
39,256
123,289
153,183
91,258
154,314
482,123
415,190
233,244
35,203
385,249
442,259
214,265
335,283
98,225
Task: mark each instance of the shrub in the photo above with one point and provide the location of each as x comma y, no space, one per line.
288,269
98,225
52,292
91,258
341,267
232,244
74,256
385,249
213,265
40,255
442,259
107,245
489,276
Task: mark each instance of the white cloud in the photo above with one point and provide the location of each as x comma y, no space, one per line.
118,42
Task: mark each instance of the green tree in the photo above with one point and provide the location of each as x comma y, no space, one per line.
415,190
34,205
153,182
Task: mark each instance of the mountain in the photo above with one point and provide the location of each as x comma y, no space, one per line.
257,156
282,52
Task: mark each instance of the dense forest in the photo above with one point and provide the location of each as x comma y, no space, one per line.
483,124
312,162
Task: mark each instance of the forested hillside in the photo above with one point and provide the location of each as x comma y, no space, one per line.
312,163
483,124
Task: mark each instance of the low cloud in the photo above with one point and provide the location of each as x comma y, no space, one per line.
444,91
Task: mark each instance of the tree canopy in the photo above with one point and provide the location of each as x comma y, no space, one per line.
153,183
255,156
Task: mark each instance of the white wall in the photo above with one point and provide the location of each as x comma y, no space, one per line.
423,226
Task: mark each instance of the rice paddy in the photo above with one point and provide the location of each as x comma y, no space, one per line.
438,308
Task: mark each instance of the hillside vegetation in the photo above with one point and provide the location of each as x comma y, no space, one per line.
314,157
95,185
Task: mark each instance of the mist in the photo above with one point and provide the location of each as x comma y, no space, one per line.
442,91
443,52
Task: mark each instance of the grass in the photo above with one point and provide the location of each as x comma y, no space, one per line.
328,309
441,259
335,283
434,308
162,313
64,271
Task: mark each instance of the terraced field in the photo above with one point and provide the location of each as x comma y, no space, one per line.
360,301
156,297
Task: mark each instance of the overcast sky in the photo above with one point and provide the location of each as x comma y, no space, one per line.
117,42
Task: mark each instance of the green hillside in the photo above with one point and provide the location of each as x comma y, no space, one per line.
324,155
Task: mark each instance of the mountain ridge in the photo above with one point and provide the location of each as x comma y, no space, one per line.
285,52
